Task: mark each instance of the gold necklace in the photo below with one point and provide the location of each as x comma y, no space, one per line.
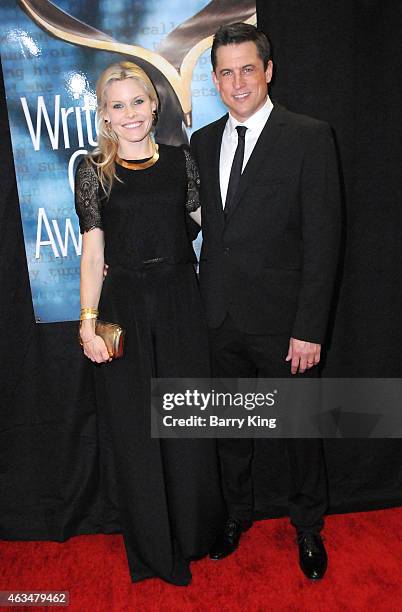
139,165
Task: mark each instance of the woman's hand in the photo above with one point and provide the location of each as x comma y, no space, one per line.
95,349
93,345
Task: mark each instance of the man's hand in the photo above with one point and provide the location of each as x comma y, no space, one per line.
303,355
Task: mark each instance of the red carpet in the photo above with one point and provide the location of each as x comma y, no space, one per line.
364,573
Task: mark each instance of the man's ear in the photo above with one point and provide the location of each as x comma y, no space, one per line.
269,71
215,80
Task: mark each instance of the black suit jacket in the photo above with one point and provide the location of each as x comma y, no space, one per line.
272,263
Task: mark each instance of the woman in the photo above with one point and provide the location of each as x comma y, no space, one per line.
132,199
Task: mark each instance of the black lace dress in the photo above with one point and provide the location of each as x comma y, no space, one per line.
168,491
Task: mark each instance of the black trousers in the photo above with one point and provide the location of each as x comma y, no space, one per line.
238,354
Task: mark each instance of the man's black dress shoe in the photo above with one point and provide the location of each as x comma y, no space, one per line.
227,542
312,555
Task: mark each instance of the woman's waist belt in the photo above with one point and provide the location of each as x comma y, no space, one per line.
146,263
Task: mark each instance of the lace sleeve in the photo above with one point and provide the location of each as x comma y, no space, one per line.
193,182
87,203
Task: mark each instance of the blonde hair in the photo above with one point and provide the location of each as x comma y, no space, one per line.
104,155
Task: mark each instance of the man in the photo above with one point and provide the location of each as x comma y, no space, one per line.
270,220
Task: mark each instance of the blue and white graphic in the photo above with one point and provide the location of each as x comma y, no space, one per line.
51,55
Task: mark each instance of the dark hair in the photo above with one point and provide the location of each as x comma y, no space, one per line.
236,33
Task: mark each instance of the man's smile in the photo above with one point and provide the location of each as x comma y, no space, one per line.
241,96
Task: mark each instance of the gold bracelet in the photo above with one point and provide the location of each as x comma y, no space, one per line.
85,310
88,315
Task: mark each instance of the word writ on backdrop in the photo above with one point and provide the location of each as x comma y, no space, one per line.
52,54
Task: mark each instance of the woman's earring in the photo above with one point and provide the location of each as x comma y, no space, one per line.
154,117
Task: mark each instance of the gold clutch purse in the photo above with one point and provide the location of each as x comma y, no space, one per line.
112,335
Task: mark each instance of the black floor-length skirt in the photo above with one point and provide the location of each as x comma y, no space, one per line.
168,491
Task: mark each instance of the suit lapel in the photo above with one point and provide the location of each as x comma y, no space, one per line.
216,142
263,148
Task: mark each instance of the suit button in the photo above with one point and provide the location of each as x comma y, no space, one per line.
226,250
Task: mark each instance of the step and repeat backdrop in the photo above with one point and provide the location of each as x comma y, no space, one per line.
51,55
